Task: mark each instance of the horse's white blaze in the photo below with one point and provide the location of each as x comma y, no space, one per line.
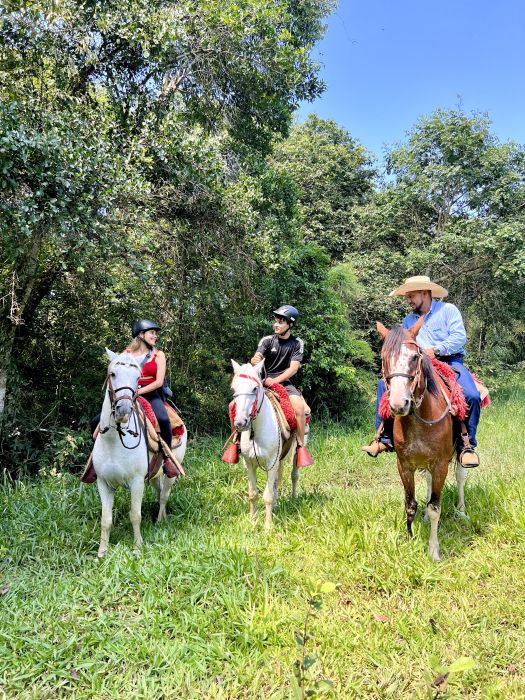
399,396
260,436
119,464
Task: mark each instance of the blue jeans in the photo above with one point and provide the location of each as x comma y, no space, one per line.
470,393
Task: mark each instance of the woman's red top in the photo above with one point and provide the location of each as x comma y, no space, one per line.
149,372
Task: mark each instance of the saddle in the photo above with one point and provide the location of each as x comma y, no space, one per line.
152,424
280,401
283,408
156,445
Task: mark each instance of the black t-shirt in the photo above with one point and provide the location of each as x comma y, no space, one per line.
279,353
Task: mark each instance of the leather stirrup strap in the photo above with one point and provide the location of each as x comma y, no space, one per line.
464,437
379,431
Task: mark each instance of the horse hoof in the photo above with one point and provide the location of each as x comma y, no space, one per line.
462,514
434,554
101,553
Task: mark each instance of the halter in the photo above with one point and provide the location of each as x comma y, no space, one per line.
256,407
114,399
415,378
255,410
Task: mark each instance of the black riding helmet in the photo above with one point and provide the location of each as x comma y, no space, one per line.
288,312
143,326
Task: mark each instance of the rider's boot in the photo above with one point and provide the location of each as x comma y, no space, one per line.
467,457
377,446
89,475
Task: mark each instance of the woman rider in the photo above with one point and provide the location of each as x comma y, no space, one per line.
151,381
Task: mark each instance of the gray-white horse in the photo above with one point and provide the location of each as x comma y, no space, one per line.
262,444
120,453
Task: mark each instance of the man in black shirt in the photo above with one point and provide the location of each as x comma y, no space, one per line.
283,354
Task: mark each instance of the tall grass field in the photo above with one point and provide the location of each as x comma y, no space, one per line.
214,607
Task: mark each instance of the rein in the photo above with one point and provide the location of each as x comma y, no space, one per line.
255,410
416,379
113,400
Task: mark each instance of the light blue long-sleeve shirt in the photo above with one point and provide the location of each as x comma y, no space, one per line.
442,329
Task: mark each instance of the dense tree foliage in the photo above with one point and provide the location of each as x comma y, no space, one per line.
148,169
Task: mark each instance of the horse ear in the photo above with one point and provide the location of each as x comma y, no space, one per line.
112,355
414,330
236,366
382,330
258,367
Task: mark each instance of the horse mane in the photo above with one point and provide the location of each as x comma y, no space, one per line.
126,357
392,347
393,342
430,376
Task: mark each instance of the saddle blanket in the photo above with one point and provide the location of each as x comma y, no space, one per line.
448,378
177,426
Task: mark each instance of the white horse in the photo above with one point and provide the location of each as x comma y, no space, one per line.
120,453
261,439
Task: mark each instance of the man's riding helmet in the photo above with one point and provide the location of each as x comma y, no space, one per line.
288,312
143,326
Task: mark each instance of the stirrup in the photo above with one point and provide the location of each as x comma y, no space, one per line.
303,458
89,475
170,468
468,458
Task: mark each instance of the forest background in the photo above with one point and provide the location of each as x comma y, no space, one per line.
150,168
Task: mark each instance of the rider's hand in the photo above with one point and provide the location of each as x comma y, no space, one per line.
269,382
429,352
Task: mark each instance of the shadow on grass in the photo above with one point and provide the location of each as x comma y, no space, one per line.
484,506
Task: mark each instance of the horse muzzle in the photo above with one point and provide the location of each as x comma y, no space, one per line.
401,408
242,425
122,411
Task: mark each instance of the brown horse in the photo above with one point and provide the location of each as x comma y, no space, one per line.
423,431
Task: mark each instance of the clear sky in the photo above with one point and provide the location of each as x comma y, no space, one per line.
388,62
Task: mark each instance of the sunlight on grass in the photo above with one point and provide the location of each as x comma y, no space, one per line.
209,608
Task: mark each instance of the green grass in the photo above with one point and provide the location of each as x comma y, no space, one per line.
209,607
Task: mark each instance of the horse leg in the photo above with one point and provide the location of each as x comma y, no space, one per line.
137,491
269,494
252,490
429,493
164,494
407,477
461,477
295,470
434,511
107,495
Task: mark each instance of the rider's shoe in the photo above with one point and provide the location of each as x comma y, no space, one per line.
468,458
376,447
89,475
303,457
170,468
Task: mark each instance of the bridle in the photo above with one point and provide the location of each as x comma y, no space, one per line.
416,380
254,412
256,406
114,400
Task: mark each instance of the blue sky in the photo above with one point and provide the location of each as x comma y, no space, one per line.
388,62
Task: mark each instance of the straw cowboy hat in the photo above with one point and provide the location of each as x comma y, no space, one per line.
420,283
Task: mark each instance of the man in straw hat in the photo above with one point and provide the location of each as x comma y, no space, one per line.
442,335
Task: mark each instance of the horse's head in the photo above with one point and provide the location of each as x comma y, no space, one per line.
123,378
401,365
248,393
